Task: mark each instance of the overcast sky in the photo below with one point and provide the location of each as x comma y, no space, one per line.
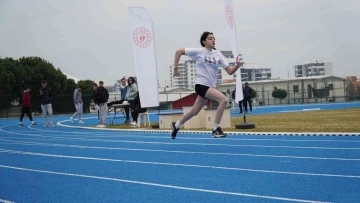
90,39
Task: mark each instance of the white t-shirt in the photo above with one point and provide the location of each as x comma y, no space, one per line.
207,63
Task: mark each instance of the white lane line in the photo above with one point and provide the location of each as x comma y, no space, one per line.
179,143
289,111
11,142
210,144
312,109
67,132
192,143
131,134
161,185
169,151
5,201
352,104
189,143
177,164
60,123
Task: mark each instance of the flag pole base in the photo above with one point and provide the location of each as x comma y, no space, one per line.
245,125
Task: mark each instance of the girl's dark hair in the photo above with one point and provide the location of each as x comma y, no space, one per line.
133,80
204,36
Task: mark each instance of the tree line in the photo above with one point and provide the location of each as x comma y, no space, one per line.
17,74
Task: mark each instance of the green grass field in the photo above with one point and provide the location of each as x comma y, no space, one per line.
344,120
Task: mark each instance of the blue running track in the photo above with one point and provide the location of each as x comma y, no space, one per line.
79,165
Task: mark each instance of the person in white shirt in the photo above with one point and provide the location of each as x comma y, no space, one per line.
208,59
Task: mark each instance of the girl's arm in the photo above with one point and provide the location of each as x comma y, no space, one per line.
232,69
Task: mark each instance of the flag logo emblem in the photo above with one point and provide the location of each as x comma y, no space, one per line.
229,16
142,37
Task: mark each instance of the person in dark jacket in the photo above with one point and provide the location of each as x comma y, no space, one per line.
247,97
239,103
102,96
137,109
25,106
45,96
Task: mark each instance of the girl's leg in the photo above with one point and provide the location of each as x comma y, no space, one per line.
216,95
198,105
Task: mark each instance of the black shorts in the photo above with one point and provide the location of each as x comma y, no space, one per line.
201,90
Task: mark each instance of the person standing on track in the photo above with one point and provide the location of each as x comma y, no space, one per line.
45,96
78,105
25,106
95,105
208,59
102,99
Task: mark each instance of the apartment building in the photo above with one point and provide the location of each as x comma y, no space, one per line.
313,67
250,72
187,71
186,79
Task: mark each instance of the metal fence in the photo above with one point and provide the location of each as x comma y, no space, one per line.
303,97
299,96
174,98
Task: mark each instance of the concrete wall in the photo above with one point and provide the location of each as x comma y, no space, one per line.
10,112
